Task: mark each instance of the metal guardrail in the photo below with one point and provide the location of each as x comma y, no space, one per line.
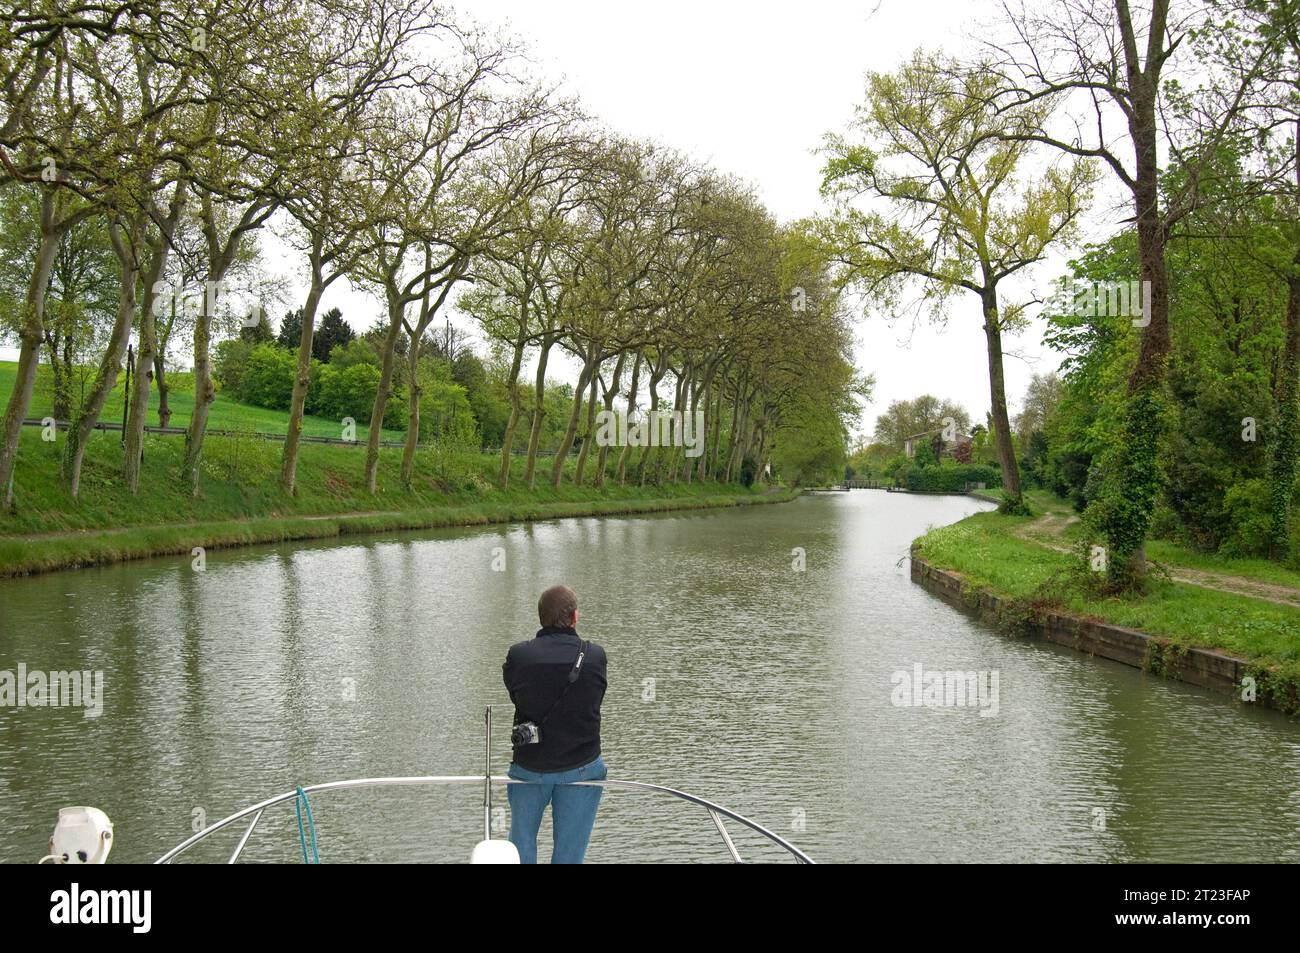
716,811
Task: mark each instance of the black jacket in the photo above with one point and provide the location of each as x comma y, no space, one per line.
535,673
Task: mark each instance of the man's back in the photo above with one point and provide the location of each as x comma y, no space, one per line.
535,673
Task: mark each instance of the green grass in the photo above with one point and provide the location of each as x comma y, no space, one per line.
224,414
1163,551
1261,570
242,502
986,552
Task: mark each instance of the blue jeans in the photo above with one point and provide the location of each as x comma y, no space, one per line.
573,810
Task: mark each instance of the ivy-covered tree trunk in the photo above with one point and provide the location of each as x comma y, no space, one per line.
1134,482
1286,440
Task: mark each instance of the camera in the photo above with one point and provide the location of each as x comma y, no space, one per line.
525,733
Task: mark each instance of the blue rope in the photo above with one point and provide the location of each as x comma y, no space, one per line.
299,803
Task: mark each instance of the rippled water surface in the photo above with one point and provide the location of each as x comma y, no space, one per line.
731,675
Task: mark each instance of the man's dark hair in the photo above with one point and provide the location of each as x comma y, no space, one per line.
556,607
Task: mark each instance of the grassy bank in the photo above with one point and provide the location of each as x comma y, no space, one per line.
242,504
992,552
223,414
1165,552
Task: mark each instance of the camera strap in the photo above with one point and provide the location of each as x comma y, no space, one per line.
583,647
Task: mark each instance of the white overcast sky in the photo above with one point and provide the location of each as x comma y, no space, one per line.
751,88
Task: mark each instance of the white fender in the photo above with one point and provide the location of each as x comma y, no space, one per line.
494,852
83,835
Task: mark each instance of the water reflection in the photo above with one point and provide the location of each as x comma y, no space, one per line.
731,675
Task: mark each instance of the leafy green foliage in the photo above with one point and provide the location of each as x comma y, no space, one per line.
267,379
951,478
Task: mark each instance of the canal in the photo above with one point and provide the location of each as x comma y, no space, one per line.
756,655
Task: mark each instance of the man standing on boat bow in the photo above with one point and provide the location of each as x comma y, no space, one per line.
557,682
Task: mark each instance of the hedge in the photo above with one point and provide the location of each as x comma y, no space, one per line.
952,478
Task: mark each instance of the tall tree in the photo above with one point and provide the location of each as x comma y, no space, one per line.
1111,63
964,213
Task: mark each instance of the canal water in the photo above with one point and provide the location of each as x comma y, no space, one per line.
758,657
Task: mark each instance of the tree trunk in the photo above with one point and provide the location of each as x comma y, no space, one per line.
1286,443
1014,502
737,419
413,394
83,423
516,411
1134,481
395,313
648,453
611,393
160,379
159,249
539,411
220,260
583,454
29,352
712,454
56,344
626,450
302,380
204,395
566,443
675,452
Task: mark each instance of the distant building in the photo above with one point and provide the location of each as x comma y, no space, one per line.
949,447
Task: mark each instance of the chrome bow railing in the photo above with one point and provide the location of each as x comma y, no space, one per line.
254,813
716,811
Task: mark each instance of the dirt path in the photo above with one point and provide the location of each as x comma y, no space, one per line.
1047,530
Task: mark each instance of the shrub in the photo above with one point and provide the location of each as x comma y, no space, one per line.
229,363
268,377
349,391
1247,506
951,478
445,414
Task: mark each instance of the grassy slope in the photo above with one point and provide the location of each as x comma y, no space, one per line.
984,549
242,502
224,414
